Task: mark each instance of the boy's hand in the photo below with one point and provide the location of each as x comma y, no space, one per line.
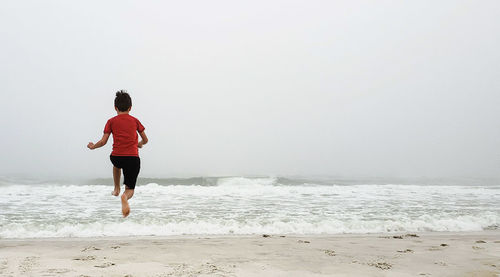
144,139
100,143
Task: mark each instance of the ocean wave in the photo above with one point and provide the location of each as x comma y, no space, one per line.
226,227
242,205
268,180
268,188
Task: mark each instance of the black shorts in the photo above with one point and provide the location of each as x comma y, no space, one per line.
130,165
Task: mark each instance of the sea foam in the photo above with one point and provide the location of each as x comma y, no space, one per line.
239,205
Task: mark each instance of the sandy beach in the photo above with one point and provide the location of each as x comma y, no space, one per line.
405,254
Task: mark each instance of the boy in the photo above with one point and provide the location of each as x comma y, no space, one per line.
125,155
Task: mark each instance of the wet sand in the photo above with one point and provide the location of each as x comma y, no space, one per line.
405,254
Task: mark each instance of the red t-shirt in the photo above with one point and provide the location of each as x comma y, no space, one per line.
124,128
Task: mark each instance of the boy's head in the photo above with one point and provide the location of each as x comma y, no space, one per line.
123,102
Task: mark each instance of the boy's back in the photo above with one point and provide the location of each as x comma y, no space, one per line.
124,128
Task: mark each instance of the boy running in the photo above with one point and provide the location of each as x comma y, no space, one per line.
125,155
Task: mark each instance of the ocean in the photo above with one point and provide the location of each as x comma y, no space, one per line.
246,205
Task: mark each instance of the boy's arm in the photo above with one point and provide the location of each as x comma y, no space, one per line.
144,139
100,143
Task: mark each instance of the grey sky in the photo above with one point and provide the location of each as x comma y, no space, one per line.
385,88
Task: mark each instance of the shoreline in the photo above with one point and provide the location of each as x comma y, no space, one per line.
375,254
196,236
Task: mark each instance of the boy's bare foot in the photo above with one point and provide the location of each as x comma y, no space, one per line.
116,192
125,206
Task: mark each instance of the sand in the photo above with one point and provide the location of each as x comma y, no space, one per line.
417,254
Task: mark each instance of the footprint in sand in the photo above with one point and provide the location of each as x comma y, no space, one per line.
27,264
58,270
90,248
206,269
3,266
329,252
490,264
437,248
84,258
382,265
441,263
104,265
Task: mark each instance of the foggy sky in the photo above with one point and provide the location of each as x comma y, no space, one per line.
351,88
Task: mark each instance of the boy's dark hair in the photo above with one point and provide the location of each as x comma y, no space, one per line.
123,101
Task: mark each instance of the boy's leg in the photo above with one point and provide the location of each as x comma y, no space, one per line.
126,195
116,179
130,173
128,192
